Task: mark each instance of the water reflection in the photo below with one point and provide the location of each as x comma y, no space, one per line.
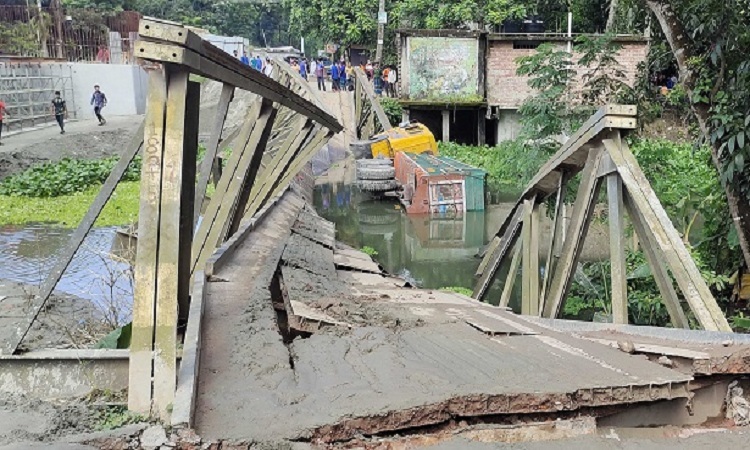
431,251
27,254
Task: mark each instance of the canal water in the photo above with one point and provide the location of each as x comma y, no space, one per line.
428,251
28,252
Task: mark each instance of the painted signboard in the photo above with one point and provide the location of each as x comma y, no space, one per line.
443,68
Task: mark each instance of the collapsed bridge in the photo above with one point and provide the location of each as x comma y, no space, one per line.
253,324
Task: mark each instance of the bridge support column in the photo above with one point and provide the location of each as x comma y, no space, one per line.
446,125
165,230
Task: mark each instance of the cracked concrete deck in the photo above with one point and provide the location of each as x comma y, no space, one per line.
383,358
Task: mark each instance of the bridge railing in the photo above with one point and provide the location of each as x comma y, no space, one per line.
369,116
600,153
282,130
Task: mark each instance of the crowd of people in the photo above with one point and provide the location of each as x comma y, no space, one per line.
256,62
340,74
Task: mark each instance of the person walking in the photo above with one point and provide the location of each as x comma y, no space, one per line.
60,110
268,68
369,70
313,67
99,100
386,86
349,76
3,112
335,77
392,80
377,76
303,69
244,59
342,76
320,74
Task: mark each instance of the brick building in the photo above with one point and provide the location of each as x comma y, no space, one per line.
477,100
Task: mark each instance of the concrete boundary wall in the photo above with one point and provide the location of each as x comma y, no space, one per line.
53,374
125,86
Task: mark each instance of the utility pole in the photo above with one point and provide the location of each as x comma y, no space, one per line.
382,19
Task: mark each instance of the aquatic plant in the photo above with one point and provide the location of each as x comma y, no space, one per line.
65,177
68,210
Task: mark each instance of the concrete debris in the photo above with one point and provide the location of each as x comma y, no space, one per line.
626,346
664,361
153,437
738,407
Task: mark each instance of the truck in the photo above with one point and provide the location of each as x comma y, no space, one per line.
374,156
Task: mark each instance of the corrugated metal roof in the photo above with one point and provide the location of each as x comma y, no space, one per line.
442,165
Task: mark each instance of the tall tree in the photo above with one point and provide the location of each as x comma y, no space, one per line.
710,39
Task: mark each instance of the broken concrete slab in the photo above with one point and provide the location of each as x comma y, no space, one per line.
347,262
309,255
315,228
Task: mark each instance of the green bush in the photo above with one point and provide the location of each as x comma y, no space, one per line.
392,109
509,166
65,177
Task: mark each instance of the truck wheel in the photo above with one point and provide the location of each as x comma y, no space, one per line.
377,185
379,162
376,173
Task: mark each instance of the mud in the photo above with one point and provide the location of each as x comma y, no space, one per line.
66,321
25,419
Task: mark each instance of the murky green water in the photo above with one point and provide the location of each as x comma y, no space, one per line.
431,252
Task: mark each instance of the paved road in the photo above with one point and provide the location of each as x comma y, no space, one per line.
16,141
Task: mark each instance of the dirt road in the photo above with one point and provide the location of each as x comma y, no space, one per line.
84,139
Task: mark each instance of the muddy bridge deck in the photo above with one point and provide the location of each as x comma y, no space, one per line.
305,339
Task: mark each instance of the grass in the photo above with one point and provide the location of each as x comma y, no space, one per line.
68,210
458,290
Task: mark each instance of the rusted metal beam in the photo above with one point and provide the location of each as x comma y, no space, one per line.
555,236
144,296
369,93
579,224
658,269
175,231
677,257
230,71
617,250
209,164
495,259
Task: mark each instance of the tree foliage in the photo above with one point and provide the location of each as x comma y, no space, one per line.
344,23
563,100
434,14
709,39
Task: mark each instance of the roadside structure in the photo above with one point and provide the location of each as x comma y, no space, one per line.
463,84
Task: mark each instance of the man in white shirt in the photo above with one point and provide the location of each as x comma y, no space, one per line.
268,69
392,79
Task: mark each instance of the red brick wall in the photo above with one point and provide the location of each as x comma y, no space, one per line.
508,90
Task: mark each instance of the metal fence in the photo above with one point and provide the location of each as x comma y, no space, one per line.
27,89
68,34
